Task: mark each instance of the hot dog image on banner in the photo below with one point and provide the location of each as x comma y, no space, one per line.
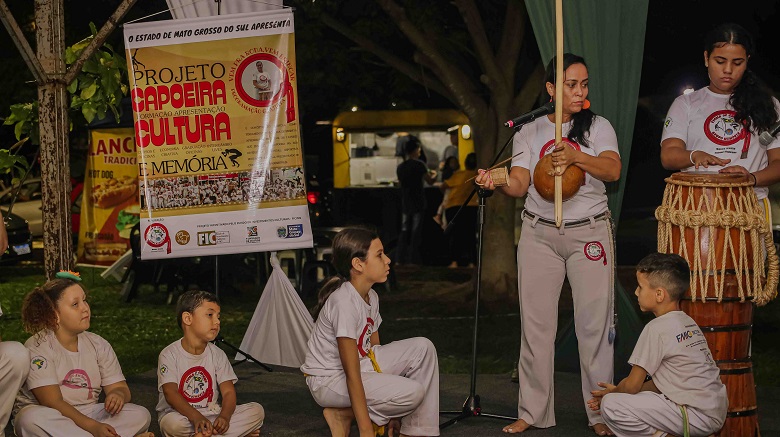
220,164
109,208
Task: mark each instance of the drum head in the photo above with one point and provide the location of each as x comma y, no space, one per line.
711,177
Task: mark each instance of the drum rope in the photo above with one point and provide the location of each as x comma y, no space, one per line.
734,206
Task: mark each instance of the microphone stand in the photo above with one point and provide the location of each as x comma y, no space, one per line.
472,406
248,357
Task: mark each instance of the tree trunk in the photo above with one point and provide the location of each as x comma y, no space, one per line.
499,267
54,123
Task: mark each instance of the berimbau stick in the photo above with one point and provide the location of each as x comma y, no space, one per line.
558,107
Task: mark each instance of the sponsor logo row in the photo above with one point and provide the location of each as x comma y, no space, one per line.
214,237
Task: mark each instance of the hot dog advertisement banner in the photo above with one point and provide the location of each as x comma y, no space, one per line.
109,205
215,110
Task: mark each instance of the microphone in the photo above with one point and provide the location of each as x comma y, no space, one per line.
547,108
767,137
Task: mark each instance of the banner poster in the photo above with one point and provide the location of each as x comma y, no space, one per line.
216,123
109,203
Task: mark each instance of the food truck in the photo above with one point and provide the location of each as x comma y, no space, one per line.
365,156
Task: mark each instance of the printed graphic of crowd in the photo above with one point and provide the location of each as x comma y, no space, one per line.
274,185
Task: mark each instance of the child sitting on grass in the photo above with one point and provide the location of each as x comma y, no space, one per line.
685,390
192,373
69,368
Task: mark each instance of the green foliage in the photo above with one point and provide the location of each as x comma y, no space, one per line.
100,85
24,119
97,89
12,164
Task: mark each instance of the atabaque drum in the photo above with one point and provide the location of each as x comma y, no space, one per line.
714,221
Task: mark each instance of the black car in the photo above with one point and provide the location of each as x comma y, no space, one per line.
19,239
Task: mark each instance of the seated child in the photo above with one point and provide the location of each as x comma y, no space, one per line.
192,373
69,367
14,367
673,351
347,370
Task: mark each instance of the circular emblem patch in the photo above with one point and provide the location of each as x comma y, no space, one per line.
595,251
722,128
156,236
182,237
196,385
38,362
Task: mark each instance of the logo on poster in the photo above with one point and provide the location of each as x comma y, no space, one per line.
212,238
252,235
182,237
290,231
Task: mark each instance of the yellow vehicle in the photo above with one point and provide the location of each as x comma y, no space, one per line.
365,142
365,189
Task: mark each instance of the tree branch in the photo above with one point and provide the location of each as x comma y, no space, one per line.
471,108
484,51
21,43
512,37
530,90
98,40
450,75
390,59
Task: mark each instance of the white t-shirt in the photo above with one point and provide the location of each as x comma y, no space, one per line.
704,120
345,314
197,376
537,139
673,350
80,375
263,81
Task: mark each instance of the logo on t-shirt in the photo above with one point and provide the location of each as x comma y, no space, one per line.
722,128
163,369
550,145
685,335
78,379
595,251
364,341
196,385
37,363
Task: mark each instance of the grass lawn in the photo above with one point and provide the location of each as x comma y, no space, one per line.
434,302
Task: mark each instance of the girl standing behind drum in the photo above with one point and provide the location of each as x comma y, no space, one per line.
719,125
581,249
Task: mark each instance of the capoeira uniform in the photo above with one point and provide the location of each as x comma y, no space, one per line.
673,350
14,366
197,378
583,250
263,87
81,377
400,379
705,121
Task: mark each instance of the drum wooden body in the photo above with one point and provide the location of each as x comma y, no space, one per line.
726,320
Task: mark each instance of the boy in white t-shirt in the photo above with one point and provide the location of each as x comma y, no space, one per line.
673,351
193,372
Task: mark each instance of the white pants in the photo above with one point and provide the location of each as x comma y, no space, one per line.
646,413
247,418
14,367
40,421
408,386
545,256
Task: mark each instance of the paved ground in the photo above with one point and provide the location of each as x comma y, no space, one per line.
290,410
